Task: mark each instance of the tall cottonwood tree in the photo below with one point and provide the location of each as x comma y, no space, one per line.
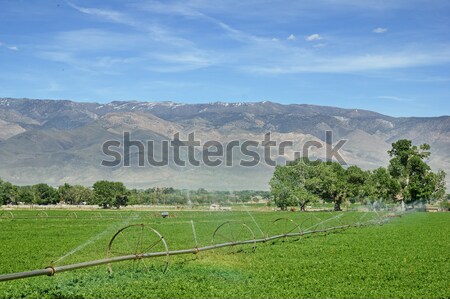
417,181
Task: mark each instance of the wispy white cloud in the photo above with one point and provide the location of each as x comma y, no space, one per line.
159,48
154,31
188,10
320,45
148,44
393,98
188,58
89,50
380,30
92,40
9,47
106,14
307,62
313,37
422,79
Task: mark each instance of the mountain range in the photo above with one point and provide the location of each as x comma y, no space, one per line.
58,141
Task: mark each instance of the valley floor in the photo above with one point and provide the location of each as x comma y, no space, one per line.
408,257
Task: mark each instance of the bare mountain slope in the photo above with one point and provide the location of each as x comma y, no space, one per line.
61,141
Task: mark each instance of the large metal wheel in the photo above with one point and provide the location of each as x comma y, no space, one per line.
234,234
139,239
97,215
42,214
6,215
71,215
311,223
284,227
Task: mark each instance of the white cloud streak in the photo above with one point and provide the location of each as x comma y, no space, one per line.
185,10
291,37
393,98
310,63
9,47
313,37
380,30
166,49
151,44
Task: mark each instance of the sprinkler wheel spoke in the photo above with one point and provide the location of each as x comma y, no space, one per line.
133,239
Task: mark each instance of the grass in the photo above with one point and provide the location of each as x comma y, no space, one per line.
405,258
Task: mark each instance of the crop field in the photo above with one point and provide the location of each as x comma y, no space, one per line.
406,257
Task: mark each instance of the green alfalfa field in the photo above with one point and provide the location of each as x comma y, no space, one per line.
407,257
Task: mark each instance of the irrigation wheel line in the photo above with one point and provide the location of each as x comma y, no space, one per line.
71,215
51,270
42,214
6,215
287,226
137,239
97,215
233,233
315,222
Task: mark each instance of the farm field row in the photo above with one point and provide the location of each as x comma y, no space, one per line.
406,257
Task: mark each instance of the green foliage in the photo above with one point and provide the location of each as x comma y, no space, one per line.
288,186
115,194
75,194
8,193
25,194
380,185
416,180
110,194
408,177
439,186
44,194
369,262
356,180
306,181
444,204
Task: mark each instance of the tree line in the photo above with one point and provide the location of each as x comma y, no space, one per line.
109,194
407,178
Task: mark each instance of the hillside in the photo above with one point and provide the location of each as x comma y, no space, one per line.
58,141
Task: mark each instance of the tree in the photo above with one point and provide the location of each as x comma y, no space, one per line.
65,193
8,193
110,194
356,179
328,181
26,194
75,194
280,186
289,185
44,194
380,185
416,180
440,186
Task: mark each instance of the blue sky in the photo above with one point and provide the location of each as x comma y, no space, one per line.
388,56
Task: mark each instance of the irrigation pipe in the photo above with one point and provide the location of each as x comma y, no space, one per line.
51,270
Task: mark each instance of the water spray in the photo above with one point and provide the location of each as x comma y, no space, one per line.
137,242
